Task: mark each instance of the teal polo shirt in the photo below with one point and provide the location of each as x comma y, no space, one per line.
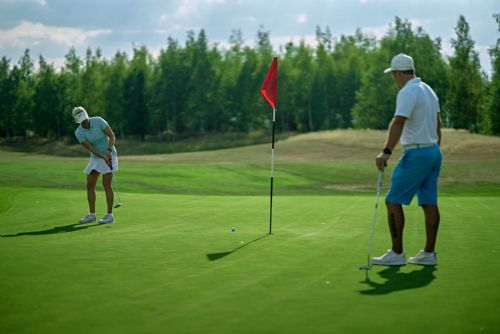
95,135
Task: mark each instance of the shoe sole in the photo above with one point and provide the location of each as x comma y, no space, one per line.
422,264
389,264
103,223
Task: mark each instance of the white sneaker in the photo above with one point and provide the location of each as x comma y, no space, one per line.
424,258
107,219
390,259
89,218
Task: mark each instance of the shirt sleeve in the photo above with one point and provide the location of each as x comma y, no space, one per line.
102,123
405,103
79,136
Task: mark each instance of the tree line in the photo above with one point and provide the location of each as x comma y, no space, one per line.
194,89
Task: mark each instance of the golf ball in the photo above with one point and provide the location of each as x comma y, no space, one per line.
233,229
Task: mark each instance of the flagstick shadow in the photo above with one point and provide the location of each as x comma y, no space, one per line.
217,256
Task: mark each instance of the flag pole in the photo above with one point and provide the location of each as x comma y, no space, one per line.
272,175
269,90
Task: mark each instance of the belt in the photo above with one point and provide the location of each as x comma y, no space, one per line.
410,146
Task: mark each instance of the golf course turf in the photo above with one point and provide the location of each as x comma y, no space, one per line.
172,264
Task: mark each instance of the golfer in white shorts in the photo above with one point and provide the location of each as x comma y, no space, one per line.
96,135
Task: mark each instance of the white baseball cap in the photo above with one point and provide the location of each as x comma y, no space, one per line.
80,114
401,62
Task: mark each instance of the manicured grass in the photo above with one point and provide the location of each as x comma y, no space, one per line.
171,264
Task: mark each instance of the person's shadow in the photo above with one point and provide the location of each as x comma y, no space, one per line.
398,281
54,230
217,256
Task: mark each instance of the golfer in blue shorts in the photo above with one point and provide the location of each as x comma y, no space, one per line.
98,138
417,125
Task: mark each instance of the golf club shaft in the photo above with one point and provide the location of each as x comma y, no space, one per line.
116,184
370,240
116,187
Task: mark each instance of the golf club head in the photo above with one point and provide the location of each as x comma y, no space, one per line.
117,205
366,267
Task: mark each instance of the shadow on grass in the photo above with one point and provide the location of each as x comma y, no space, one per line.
54,230
399,281
217,256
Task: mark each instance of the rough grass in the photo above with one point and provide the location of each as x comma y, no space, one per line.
324,163
68,147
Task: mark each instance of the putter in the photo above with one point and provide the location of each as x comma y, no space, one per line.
116,187
370,241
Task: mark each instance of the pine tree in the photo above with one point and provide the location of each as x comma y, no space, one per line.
7,98
494,87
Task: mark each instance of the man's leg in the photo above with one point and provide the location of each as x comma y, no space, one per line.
432,219
396,220
91,182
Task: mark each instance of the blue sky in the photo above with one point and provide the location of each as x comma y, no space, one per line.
51,27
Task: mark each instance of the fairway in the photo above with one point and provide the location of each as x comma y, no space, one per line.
171,264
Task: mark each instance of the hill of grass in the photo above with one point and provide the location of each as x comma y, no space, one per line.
323,163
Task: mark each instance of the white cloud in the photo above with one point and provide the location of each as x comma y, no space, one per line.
180,27
194,8
277,42
24,2
252,18
421,23
29,33
363,1
302,18
378,31
186,9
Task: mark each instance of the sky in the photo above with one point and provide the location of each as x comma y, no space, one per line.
51,27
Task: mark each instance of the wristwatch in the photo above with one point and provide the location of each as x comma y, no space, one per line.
387,151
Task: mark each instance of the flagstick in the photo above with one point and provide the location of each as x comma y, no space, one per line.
272,175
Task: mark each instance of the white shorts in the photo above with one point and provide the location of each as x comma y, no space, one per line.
99,165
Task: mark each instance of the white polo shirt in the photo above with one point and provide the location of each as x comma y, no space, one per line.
420,105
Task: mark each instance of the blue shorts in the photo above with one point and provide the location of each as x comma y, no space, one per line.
417,172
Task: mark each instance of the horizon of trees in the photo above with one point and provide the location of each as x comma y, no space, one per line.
194,89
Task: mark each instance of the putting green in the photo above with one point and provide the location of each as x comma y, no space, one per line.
170,264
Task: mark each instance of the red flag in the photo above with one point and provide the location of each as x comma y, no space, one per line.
269,88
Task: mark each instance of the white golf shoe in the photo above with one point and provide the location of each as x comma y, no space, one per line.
424,258
89,218
390,259
107,219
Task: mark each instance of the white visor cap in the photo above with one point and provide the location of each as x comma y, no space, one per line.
80,114
401,62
